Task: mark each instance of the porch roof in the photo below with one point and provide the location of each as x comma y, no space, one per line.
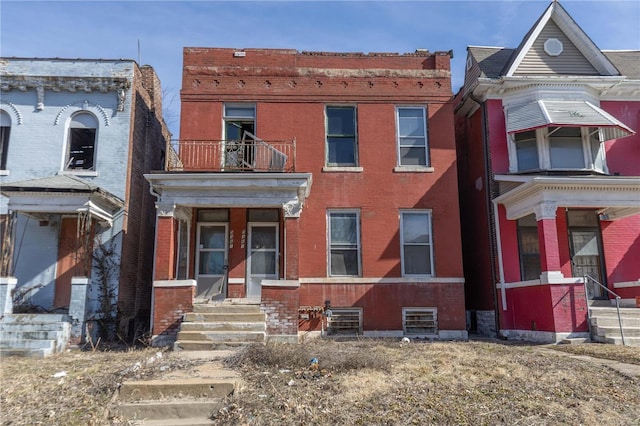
613,196
61,194
283,190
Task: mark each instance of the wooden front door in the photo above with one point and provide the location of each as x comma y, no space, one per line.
71,261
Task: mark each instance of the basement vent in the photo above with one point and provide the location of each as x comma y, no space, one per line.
345,322
420,321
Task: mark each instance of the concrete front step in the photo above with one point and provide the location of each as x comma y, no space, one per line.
206,308
224,317
28,344
629,341
613,312
183,408
35,318
30,334
26,353
222,336
615,331
613,322
137,391
223,326
206,345
42,326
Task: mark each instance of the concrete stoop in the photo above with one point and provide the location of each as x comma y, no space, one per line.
605,327
188,397
34,335
221,326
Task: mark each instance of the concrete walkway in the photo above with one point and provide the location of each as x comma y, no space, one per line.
629,370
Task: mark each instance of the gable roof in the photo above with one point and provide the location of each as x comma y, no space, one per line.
556,15
491,60
627,62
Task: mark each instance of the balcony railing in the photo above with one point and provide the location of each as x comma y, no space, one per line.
232,156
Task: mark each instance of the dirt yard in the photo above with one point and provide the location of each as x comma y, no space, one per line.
364,382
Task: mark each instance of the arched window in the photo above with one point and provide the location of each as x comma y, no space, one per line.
5,129
82,142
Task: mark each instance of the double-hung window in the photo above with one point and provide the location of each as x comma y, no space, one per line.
5,130
412,136
344,243
342,145
529,248
559,149
81,142
416,243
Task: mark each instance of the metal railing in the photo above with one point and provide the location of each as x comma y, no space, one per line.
588,278
232,155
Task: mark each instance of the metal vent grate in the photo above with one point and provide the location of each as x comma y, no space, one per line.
420,321
345,321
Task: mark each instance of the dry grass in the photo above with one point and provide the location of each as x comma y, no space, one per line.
31,395
364,382
385,383
627,354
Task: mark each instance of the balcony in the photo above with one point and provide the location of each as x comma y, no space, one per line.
248,154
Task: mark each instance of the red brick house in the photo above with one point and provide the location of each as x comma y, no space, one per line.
321,186
549,160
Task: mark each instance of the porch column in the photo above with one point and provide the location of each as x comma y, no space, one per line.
166,243
7,286
292,212
548,240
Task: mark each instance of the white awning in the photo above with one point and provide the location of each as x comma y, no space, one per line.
565,114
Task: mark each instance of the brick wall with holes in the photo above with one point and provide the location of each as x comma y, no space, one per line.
170,305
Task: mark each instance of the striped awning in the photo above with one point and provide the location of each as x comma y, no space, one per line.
543,113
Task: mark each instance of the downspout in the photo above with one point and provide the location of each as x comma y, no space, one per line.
490,212
153,271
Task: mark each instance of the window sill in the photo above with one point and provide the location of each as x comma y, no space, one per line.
4,172
333,169
414,169
86,173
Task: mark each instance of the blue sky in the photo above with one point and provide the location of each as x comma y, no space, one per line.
113,29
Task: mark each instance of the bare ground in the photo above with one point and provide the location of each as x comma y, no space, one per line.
379,382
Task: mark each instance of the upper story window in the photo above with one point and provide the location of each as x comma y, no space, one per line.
5,130
81,142
344,243
342,145
416,243
558,148
239,118
412,136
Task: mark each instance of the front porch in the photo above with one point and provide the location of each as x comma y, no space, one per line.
223,236
554,231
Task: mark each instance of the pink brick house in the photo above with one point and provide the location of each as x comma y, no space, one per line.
312,181
549,160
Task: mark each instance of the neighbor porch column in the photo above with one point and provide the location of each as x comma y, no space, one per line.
292,212
548,240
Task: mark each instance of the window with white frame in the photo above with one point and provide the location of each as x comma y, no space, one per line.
5,130
412,136
529,248
238,118
342,142
81,142
344,242
416,243
558,148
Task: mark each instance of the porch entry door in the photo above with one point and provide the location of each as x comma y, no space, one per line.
262,256
71,260
586,257
211,260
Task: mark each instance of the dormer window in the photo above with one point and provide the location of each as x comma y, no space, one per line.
558,149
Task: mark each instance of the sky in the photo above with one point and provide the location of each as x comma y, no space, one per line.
154,32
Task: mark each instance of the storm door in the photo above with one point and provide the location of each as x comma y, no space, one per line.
211,260
586,248
262,256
